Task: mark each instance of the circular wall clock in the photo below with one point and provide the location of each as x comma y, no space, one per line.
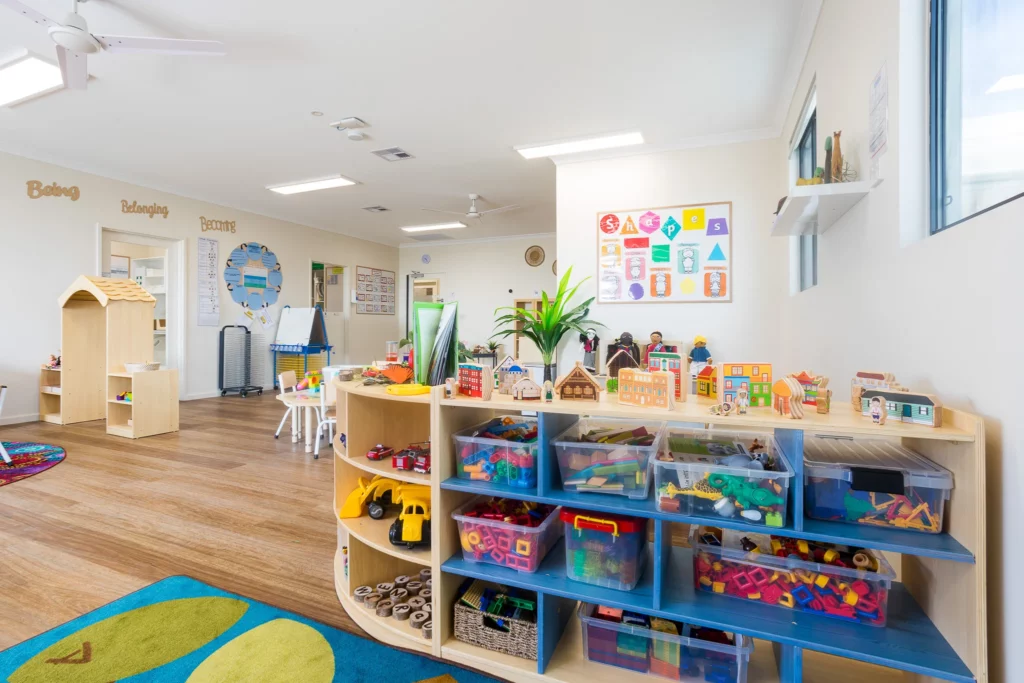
535,256
554,267
425,258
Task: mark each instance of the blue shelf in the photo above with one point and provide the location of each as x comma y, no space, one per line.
910,641
940,546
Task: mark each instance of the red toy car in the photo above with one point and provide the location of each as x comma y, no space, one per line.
379,452
415,457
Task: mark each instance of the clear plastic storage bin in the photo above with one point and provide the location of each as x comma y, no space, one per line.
675,651
499,460
605,550
869,481
774,572
612,466
505,544
705,473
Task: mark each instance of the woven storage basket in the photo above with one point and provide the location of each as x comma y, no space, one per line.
519,641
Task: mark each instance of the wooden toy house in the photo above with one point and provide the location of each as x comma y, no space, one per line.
813,386
620,359
526,390
865,379
669,361
788,398
707,382
756,378
647,389
475,380
509,377
106,324
578,385
501,368
905,406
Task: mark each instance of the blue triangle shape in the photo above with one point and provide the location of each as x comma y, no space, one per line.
716,254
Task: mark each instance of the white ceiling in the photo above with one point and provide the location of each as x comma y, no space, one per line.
457,83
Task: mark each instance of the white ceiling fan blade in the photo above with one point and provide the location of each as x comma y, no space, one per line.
29,13
500,209
161,46
454,213
73,68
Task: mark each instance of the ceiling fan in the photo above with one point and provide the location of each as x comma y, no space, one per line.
74,42
472,213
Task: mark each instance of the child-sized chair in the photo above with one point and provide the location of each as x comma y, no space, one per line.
328,416
286,380
3,451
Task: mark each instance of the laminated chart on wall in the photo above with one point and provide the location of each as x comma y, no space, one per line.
375,291
674,254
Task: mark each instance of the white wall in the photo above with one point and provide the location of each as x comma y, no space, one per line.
942,313
743,173
49,241
479,274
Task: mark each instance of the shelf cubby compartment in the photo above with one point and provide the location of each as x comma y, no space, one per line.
153,408
50,391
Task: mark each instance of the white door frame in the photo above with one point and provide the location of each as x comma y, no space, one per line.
177,254
347,312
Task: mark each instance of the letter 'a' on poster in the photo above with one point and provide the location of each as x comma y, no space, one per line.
669,254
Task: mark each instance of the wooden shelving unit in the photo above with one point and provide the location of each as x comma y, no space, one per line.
937,613
50,396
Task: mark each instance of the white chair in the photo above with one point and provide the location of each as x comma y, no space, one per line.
286,381
3,451
328,402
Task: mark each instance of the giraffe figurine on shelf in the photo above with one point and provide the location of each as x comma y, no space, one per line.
837,159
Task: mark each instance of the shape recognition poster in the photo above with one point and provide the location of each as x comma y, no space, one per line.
677,254
375,291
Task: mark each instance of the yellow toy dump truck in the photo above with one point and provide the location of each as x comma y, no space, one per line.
412,528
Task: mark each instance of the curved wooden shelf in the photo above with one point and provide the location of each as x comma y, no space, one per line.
374,533
380,391
388,631
382,467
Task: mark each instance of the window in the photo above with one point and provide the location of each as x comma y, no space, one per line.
756,370
737,370
806,155
977,107
891,406
922,410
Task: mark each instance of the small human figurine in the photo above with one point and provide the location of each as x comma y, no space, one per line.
878,411
549,391
700,353
742,401
589,344
656,346
450,388
625,342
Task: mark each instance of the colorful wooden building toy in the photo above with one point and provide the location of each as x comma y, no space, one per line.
578,385
475,380
526,390
865,379
788,398
905,406
707,382
667,361
756,378
647,389
508,378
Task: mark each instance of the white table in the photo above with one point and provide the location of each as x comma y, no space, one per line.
306,402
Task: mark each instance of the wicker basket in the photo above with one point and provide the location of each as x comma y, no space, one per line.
520,640
141,367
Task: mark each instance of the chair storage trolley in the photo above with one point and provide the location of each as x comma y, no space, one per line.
236,361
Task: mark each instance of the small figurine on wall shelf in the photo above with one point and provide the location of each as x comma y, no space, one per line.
624,353
549,391
590,344
788,398
837,158
876,407
578,385
53,363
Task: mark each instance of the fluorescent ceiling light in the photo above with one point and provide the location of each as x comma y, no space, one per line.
436,226
26,77
310,185
1007,83
585,145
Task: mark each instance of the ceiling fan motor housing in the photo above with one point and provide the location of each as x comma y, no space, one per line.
73,35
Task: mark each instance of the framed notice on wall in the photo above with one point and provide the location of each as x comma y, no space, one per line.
375,291
669,254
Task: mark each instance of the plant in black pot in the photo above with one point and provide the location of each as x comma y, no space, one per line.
545,327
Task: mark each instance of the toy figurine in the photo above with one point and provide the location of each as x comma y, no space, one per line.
450,387
742,401
700,353
624,353
549,391
656,346
878,410
53,363
589,344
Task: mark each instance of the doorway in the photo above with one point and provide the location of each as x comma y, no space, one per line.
424,287
157,265
327,291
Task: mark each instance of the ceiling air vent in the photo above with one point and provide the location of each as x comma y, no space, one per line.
376,209
428,237
393,154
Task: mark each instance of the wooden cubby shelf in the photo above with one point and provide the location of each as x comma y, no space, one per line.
936,627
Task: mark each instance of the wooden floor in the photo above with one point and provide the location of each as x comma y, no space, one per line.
221,501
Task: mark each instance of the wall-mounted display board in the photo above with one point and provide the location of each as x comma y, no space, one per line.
253,275
669,254
375,291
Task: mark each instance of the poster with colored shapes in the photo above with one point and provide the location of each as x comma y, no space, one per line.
672,254
375,291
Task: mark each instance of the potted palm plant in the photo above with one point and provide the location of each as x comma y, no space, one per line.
546,327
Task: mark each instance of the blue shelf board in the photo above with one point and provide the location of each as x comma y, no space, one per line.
909,642
939,546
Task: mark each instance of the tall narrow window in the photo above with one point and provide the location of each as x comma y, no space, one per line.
977,107
807,160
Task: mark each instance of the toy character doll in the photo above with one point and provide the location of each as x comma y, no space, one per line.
590,343
700,353
878,411
656,346
623,343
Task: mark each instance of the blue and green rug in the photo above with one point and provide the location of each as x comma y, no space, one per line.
180,630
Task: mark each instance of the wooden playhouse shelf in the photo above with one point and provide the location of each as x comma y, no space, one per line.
933,631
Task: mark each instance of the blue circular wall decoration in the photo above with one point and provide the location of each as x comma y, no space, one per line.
253,275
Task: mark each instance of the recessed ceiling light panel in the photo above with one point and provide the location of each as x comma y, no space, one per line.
27,76
554,149
311,185
436,226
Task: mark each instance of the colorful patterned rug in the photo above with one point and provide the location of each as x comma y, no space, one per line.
28,459
180,630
